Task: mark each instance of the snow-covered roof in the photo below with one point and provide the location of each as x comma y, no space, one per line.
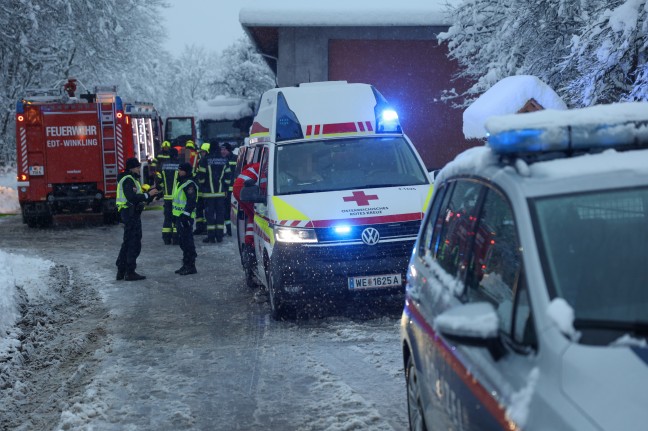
508,96
294,13
224,108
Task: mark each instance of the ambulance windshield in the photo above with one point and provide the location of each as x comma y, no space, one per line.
343,164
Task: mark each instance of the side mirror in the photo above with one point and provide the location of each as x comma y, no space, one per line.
252,193
474,324
474,320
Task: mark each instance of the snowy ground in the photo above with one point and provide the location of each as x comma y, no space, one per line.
81,351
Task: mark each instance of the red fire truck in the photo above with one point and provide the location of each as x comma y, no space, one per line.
69,150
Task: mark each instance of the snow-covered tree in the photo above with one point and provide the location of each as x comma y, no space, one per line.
589,51
243,72
108,42
610,55
188,80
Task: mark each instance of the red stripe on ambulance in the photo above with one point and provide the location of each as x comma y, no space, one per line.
329,129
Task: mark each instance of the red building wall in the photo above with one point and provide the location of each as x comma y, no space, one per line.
411,74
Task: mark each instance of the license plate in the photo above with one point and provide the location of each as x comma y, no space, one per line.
36,170
375,281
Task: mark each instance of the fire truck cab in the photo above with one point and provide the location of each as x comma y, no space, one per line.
70,149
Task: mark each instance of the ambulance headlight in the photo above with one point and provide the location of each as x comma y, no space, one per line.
294,235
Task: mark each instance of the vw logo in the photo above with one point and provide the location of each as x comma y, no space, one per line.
370,236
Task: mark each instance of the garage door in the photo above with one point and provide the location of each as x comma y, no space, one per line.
412,76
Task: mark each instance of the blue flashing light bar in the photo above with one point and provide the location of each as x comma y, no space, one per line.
386,117
592,129
570,138
288,126
20,108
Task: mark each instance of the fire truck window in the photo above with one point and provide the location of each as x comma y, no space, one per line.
455,224
495,260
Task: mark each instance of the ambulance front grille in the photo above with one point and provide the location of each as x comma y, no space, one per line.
386,230
361,252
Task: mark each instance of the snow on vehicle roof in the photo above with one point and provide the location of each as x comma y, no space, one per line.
224,108
508,96
636,161
615,113
293,13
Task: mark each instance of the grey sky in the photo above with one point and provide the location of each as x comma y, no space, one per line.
211,23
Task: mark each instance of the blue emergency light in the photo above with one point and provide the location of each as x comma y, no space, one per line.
386,117
620,126
288,126
342,229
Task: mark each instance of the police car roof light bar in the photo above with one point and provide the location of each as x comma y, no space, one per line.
594,129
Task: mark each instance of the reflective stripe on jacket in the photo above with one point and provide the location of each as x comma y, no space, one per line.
121,200
180,200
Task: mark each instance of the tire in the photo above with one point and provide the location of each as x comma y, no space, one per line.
279,310
414,405
38,221
32,222
250,279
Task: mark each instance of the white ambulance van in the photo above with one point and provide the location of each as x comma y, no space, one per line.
340,197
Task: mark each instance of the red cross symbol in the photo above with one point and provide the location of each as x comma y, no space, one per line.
360,198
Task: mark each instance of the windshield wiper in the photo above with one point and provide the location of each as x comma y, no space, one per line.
637,327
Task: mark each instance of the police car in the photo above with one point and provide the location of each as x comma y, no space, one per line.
527,291
340,199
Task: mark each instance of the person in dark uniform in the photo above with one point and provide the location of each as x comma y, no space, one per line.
130,204
201,221
184,213
163,156
167,176
226,151
213,177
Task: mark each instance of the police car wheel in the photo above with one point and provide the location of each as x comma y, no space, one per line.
414,408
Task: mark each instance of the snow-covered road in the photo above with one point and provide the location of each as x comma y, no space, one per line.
184,353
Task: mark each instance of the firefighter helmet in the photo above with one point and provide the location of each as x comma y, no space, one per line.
190,144
166,144
205,147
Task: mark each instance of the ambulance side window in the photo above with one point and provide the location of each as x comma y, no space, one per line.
263,178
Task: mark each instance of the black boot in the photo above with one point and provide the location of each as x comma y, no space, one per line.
228,228
182,268
209,240
133,276
120,274
189,269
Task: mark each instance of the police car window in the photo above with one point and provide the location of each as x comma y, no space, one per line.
432,217
523,327
455,224
495,260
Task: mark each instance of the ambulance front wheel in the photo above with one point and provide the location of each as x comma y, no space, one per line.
279,309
